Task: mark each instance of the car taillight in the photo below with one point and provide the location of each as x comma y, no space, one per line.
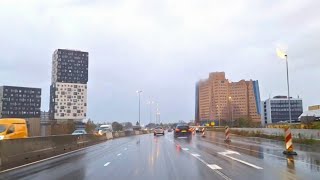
190,129
177,130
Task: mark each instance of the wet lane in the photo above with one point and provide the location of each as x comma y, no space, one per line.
163,157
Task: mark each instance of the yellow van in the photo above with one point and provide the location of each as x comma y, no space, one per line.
13,128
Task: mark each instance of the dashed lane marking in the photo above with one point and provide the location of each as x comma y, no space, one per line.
106,164
214,166
195,155
239,160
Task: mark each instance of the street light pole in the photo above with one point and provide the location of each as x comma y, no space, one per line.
218,109
150,102
288,85
139,93
231,104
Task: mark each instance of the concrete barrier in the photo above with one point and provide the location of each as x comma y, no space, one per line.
17,152
122,134
109,135
296,133
115,134
20,151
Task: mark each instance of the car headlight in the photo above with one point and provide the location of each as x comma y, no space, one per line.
1,137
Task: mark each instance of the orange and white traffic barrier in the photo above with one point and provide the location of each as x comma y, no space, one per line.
203,133
288,141
227,133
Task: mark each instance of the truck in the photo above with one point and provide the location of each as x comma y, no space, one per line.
103,129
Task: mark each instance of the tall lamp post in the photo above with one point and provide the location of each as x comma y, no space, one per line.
218,113
281,54
230,99
150,102
139,93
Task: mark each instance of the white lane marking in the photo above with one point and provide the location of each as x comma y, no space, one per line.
119,154
185,149
229,152
196,155
106,164
214,166
239,160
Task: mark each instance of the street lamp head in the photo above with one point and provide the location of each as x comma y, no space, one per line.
139,91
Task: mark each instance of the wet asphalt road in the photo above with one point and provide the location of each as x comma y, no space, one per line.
163,157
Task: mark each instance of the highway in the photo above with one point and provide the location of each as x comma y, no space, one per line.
163,157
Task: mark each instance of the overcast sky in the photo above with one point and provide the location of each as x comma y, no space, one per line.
162,47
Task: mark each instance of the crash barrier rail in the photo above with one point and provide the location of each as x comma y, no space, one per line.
15,152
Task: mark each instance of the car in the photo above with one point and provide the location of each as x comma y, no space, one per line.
183,130
158,130
169,130
79,132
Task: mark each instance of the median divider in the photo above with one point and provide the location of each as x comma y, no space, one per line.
17,152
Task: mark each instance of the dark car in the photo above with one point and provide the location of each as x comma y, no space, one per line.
182,130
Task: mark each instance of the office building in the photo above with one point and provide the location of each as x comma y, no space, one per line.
20,102
218,98
68,90
276,109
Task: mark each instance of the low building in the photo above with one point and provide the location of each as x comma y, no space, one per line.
309,116
276,110
314,107
22,102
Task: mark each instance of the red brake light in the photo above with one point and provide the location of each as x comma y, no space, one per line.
177,130
190,129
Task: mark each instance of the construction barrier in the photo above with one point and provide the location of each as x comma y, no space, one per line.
203,132
288,141
227,134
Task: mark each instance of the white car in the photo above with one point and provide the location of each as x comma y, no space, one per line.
158,130
79,132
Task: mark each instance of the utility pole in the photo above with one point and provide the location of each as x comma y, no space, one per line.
139,93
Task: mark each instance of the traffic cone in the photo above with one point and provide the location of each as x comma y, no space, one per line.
203,133
227,134
288,141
